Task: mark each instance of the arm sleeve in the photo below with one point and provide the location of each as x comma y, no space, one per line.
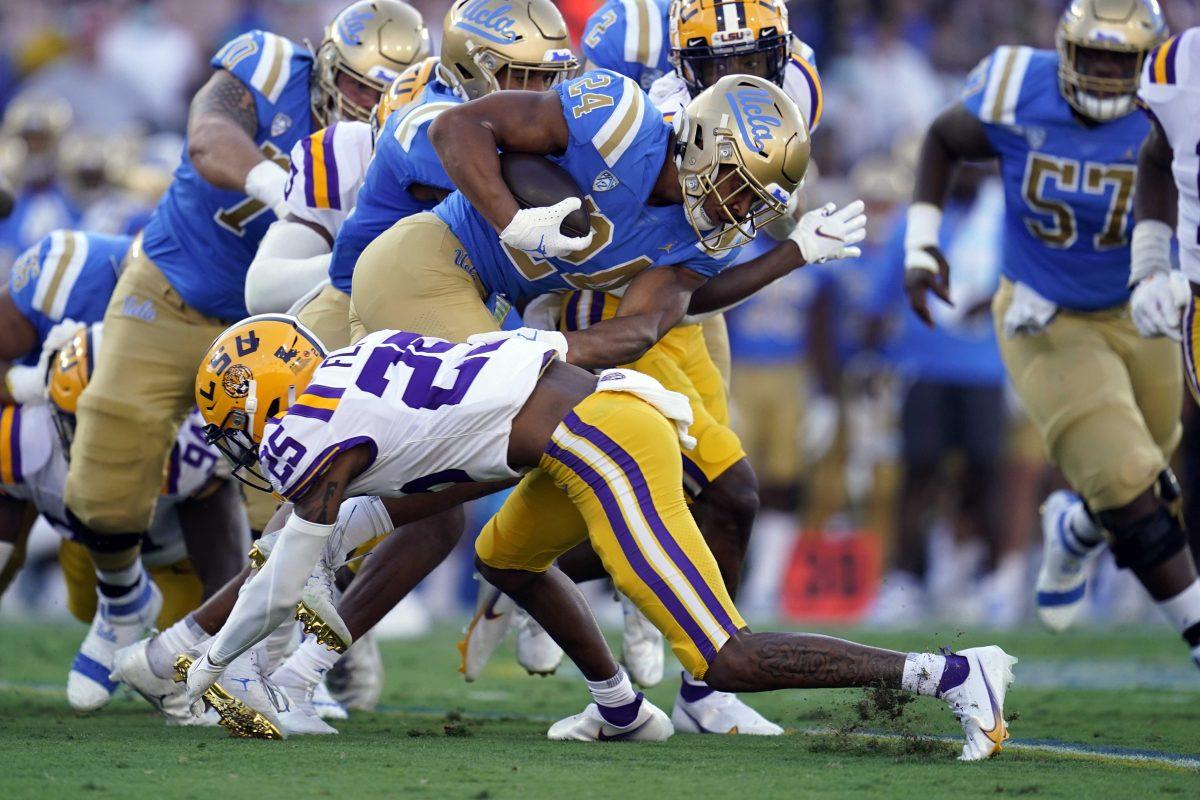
290,261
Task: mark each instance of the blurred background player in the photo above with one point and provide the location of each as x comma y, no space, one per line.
181,282
1106,401
30,135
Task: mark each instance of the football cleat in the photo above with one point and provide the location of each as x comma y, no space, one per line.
356,680
301,716
536,651
720,712
131,666
89,686
978,702
248,704
650,725
317,610
495,616
641,646
1066,564
325,705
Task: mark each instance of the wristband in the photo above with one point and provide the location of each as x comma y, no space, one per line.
924,223
1149,249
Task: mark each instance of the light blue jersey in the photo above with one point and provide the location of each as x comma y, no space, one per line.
630,37
203,238
618,143
1068,185
67,275
403,157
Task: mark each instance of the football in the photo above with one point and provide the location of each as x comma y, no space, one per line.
537,181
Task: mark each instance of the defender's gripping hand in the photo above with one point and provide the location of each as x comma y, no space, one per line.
827,233
552,339
536,230
1158,302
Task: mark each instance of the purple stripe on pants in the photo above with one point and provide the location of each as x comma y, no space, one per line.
641,490
635,557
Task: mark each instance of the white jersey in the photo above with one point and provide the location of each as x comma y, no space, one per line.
33,468
327,171
433,414
1170,89
800,81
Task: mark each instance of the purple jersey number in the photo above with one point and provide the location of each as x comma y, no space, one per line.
281,455
420,391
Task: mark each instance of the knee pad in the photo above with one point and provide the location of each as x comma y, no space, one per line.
1146,542
102,542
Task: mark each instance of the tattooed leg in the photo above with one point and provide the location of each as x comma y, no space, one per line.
758,662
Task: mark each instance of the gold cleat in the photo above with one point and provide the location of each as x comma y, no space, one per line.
242,721
318,628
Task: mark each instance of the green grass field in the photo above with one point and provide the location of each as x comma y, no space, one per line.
1111,715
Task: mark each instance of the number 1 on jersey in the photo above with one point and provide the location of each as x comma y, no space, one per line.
235,218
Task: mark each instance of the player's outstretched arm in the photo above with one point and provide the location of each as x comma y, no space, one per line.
467,139
653,303
955,136
1159,293
221,127
292,258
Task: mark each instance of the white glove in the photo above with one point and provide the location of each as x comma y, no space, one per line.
267,182
536,230
1028,313
543,311
552,339
827,233
27,384
1158,302
201,676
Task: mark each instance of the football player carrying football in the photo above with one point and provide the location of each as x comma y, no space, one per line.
401,414
1105,400
182,282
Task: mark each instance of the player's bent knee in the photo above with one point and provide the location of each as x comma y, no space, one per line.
1146,541
730,669
735,492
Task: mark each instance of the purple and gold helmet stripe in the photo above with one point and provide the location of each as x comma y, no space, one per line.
1191,345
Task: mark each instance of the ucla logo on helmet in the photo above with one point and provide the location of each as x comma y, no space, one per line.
352,24
236,381
754,111
492,22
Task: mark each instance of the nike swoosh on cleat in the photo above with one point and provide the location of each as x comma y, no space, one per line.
489,611
998,733
622,735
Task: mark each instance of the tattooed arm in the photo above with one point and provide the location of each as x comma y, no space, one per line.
221,127
759,662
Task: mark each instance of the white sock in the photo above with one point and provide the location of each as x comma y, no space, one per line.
281,643
117,583
166,646
1082,527
307,665
616,691
6,551
1183,610
922,673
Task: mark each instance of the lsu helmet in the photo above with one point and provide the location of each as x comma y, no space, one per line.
1101,47
404,89
741,134
251,373
372,41
527,37
714,38
70,370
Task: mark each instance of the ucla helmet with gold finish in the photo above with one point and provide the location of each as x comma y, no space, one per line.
1102,45
527,40
371,42
714,38
743,134
69,372
252,373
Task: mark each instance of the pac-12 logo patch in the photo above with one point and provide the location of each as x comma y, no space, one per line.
605,181
754,111
280,123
